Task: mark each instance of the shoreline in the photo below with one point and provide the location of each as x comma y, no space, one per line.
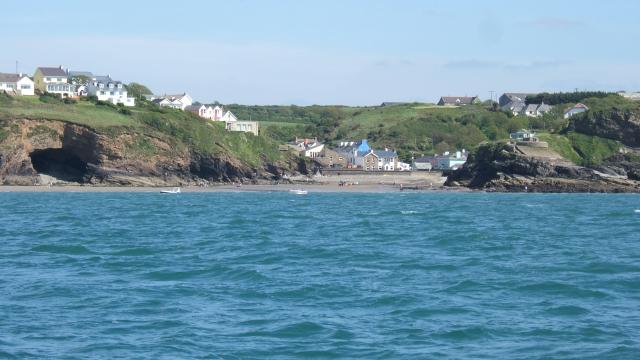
312,188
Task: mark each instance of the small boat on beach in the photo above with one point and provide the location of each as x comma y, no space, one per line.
175,190
298,192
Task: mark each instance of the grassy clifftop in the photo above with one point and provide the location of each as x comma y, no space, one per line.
181,129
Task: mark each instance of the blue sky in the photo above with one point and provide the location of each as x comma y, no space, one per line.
354,52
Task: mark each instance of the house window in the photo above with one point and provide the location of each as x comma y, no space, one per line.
102,93
25,87
47,79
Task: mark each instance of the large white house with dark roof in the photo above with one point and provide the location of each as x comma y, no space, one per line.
16,84
53,80
107,89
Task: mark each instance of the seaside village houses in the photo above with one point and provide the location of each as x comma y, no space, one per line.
75,84
446,161
349,155
210,112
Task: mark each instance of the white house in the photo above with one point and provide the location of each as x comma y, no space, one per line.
577,109
53,80
18,84
107,89
180,101
535,110
244,126
310,148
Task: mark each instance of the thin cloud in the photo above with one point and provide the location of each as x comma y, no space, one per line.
475,64
552,22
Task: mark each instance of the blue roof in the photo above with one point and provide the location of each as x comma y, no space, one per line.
364,146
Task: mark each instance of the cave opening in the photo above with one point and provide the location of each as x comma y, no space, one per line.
60,164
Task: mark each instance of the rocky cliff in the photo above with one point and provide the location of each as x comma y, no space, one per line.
74,153
617,124
502,167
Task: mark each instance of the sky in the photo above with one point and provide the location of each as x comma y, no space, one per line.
351,52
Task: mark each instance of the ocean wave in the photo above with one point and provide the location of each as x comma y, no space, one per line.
63,249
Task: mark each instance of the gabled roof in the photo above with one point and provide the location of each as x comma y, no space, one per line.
463,100
52,71
531,108
9,78
385,153
578,106
194,108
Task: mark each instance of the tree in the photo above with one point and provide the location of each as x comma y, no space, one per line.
138,90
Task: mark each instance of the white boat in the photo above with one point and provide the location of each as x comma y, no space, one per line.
175,190
298,191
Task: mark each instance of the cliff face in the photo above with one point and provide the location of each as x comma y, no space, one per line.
501,167
616,124
74,153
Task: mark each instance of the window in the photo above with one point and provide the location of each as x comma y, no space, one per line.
102,93
47,79
111,93
25,87
11,86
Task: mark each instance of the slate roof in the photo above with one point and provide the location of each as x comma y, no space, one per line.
386,153
193,108
462,100
52,71
9,78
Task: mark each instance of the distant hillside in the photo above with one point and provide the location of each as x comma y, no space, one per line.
425,128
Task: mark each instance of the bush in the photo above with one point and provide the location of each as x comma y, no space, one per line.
105,104
49,98
564,98
124,111
69,101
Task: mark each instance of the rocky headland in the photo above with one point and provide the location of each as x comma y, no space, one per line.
36,151
511,167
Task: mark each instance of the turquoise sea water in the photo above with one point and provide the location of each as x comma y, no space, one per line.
323,276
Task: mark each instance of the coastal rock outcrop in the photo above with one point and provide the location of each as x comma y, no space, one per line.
68,152
501,167
617,124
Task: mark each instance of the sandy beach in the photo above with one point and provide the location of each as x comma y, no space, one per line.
312,188
369,183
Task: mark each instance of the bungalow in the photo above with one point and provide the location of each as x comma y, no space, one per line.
107,89
53,80
424,163
446,161
180,101
244,126
18,84
458,101
523,136
577,109
450,161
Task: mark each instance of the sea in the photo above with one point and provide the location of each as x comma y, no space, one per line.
322,276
